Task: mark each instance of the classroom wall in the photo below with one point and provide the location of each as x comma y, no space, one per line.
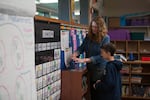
122,7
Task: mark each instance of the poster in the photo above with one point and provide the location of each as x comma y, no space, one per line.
17,71
64,39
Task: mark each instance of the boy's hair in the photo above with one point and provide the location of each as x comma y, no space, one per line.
109,48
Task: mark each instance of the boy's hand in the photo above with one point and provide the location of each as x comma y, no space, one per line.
98,81
83,60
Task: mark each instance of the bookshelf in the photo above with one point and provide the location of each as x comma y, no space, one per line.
75,84
136,73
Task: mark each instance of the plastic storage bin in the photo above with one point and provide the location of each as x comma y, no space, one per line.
137,35
145,58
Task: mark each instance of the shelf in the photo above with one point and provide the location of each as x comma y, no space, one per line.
118,52
134,26
129,27
125,83
140,84
134,52
144,52
124,73
137,62
62,22
134,73
132,97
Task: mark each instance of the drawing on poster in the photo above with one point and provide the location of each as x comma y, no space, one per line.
4,94
2,56
17,52
21,89
23,86
16,43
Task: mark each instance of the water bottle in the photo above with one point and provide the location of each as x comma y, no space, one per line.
131,57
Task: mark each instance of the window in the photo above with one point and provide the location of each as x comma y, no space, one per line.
47,8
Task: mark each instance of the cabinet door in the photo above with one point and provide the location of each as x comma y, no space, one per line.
75,85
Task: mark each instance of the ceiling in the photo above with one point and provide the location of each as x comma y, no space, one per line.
122,7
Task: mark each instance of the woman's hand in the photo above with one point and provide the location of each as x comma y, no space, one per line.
79,60
74,55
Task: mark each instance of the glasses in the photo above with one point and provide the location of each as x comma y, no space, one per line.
94,27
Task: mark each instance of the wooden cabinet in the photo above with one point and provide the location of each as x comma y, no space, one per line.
136,80
75,85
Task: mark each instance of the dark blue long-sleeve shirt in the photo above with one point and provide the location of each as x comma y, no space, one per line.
92,51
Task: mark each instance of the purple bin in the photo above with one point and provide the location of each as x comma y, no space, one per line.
119,34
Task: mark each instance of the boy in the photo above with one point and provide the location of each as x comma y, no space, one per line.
109,88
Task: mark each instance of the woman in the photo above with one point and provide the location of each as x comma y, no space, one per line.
96,37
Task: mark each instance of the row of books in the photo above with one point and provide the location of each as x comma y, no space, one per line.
134,69
141,91
84,83
125,90
134,79
136,90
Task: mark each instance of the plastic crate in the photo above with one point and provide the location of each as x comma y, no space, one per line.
145,58
137,35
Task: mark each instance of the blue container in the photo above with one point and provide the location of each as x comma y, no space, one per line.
122,21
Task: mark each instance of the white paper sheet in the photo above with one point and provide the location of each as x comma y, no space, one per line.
64,39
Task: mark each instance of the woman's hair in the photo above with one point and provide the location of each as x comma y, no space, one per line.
102,29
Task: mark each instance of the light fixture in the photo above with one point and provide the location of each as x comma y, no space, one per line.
37,2
77,12
36,13
48,1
